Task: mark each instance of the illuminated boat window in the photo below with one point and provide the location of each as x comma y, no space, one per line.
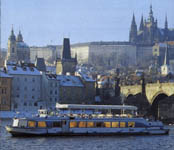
90,124
122,124
107,124
57,124
31,124
73,124
41,124
115,124
82,124
131,124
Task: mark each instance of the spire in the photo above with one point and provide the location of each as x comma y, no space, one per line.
151,11
133,20
133,31
166,23
166,59
151,18
12,36
66,54
141,24
19,37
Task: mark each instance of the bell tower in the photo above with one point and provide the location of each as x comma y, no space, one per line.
12,53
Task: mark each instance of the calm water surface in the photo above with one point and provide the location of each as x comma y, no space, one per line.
7,142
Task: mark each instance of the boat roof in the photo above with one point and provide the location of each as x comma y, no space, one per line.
95,107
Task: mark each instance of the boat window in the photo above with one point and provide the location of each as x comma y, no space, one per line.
122,124
31,124
90,124
41,124
73,124
57,124
131,124
115,124
107,124
82,124
22,123
15,122
99,124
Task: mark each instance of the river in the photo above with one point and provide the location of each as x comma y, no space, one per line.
7,142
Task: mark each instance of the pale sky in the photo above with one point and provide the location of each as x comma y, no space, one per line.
44,22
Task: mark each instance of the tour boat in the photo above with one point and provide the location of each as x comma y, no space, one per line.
75,119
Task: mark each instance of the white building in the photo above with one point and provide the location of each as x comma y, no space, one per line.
26,87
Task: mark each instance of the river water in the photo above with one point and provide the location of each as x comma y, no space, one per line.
7,142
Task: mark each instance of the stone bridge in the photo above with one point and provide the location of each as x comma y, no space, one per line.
153,91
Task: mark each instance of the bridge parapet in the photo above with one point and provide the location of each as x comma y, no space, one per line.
131,90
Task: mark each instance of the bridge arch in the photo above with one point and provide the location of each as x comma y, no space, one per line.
155,102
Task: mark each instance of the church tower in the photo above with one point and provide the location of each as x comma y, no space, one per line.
66,64
19,37
133,31
166,29
12,53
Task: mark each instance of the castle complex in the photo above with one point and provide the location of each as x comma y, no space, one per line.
149,33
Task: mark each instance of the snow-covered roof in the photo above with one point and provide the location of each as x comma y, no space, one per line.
69,80
86,77
4,75
17,70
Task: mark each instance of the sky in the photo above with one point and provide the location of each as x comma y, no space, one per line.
46,22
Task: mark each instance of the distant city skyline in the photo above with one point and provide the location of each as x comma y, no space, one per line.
47,22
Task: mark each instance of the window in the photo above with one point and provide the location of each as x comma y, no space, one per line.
55,92
57,124
25,88
55,99
25,79
32,97
90,124
25,104
99,124
115,124
131,124
35,104
51,84
42,124
15,106
13,50
82,124
73,124
107,124
18,88
31,124
50,99
122,124
33,79
33,89
51,92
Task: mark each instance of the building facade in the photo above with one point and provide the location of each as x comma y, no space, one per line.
50,88
5,91
26,92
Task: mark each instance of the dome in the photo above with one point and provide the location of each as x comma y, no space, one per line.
21,45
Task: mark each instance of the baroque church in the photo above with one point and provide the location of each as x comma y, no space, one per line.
149,33
18,50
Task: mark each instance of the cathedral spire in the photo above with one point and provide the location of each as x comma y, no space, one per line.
141,24
66,54
133,31
151,18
